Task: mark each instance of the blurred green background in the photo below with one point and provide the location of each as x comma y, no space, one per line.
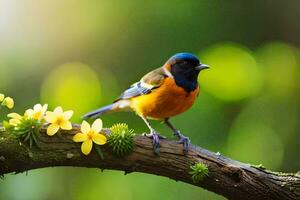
82,54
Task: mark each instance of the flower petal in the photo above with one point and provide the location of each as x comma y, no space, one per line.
50,117
28,113
66,125
38,115
8,102
97,125
44,108
52,129
14,116
58,110
37,107
1,97
86,147
68,114
14,122
99,139
80,137
85,127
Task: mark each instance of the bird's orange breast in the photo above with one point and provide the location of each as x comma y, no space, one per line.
166,101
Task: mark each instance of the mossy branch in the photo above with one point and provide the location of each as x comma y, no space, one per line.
232,179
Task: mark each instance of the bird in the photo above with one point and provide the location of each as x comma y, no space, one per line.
161,94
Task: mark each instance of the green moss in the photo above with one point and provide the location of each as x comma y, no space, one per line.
198,171
260,166
121,139
26,131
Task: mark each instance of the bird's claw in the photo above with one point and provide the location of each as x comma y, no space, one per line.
155,140
185,141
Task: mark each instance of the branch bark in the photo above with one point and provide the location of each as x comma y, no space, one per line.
227,177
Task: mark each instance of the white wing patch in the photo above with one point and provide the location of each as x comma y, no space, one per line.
135,90
146,85
123,104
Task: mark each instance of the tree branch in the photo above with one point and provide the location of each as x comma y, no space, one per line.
232,179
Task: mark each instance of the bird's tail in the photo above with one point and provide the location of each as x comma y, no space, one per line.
98,112
122,105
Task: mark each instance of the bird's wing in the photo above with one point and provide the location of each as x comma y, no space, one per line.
148,83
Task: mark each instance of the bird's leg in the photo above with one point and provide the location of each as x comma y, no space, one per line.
185,141
154,135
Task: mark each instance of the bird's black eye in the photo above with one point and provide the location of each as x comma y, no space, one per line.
185,64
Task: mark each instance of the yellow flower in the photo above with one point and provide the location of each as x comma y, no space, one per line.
8,102
37,113
89,135
58,119
1,97
15,119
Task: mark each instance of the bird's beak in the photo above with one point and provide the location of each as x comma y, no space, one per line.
202,66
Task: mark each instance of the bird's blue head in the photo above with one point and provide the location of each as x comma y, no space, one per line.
185,68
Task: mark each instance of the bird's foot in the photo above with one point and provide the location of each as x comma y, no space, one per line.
185,141
155,136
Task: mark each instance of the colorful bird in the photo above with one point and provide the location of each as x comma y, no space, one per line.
162,93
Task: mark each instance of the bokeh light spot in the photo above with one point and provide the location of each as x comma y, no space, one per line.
73,86
255,143
279,61
233,75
